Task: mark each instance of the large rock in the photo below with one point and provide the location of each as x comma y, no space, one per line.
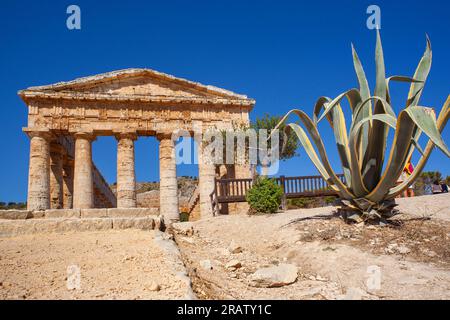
234,247
276,276
206,264
184,228
233,264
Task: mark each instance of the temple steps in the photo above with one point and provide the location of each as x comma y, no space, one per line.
17,222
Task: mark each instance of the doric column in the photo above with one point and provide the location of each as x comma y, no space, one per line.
56,176
206,175
126,179
39,171
83,186
68,168
168,187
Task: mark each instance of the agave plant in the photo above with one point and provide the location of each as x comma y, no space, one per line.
370,185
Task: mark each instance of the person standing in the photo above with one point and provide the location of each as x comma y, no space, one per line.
407,171
444,187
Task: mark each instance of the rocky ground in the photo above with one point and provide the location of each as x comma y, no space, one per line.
125,264
310,254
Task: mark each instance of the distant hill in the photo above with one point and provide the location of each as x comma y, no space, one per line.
148,192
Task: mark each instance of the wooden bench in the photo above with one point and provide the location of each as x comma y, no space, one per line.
235,190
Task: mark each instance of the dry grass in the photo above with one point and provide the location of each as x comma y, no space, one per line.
420,239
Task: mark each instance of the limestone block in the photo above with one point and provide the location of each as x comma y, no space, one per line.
63,213
94,213
15,214
38,214
49,225
94,224
69,225
131,212
11,228
144,223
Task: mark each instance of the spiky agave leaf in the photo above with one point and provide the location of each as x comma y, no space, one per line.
416,89
367,108
358,185
401,79
374,156
324,164
336,119
409,119
353,96
335,116
421,74
414,140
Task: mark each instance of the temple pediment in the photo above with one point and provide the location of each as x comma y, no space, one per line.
137,84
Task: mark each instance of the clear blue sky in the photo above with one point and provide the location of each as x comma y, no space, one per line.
284,54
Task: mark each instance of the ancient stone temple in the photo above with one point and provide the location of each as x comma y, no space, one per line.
65,118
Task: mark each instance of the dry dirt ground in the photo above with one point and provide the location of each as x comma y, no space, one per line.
335,260
125,264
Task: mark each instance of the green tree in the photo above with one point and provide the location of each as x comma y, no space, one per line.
288,140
